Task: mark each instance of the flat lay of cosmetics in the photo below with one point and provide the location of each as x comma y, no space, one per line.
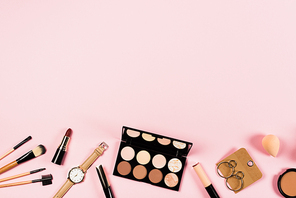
152,159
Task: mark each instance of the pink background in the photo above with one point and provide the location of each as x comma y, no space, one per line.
218,73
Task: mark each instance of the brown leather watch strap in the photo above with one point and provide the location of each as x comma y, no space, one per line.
88,162
92,158
67,185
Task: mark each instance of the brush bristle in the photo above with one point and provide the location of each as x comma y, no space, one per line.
39,150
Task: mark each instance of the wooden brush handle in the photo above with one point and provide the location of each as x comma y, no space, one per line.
15,184
8,167
14,177
6,154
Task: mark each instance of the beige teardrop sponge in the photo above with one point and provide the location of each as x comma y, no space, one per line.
271,144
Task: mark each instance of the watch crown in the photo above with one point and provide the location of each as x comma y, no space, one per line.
103,145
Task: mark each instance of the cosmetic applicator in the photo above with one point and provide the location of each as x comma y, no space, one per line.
205,181
45,179
22,175
15,147
104,181
39,150
271,144
61,150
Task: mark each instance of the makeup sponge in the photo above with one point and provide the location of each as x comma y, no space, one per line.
271,144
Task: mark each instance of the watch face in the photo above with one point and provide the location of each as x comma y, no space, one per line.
76,175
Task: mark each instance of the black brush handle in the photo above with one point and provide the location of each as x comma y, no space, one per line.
22,142
37,170
29,155
45,179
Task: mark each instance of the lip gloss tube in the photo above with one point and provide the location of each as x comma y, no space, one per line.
205,181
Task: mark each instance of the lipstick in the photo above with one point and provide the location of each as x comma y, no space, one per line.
205,181
61,150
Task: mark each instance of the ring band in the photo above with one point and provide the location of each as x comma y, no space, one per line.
239,175
229,165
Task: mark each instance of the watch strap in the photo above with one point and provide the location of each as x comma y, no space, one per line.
92,158
67,185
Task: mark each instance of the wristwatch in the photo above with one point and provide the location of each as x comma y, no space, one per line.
76,174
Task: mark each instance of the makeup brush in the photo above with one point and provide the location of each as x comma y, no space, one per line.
39,150
45,179
22,175
15,147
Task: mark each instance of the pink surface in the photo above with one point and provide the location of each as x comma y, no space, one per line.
218,73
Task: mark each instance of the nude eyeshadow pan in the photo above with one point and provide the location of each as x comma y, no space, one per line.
151,158
124,168
127,153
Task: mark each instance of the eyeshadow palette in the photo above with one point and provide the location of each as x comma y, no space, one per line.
151,158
